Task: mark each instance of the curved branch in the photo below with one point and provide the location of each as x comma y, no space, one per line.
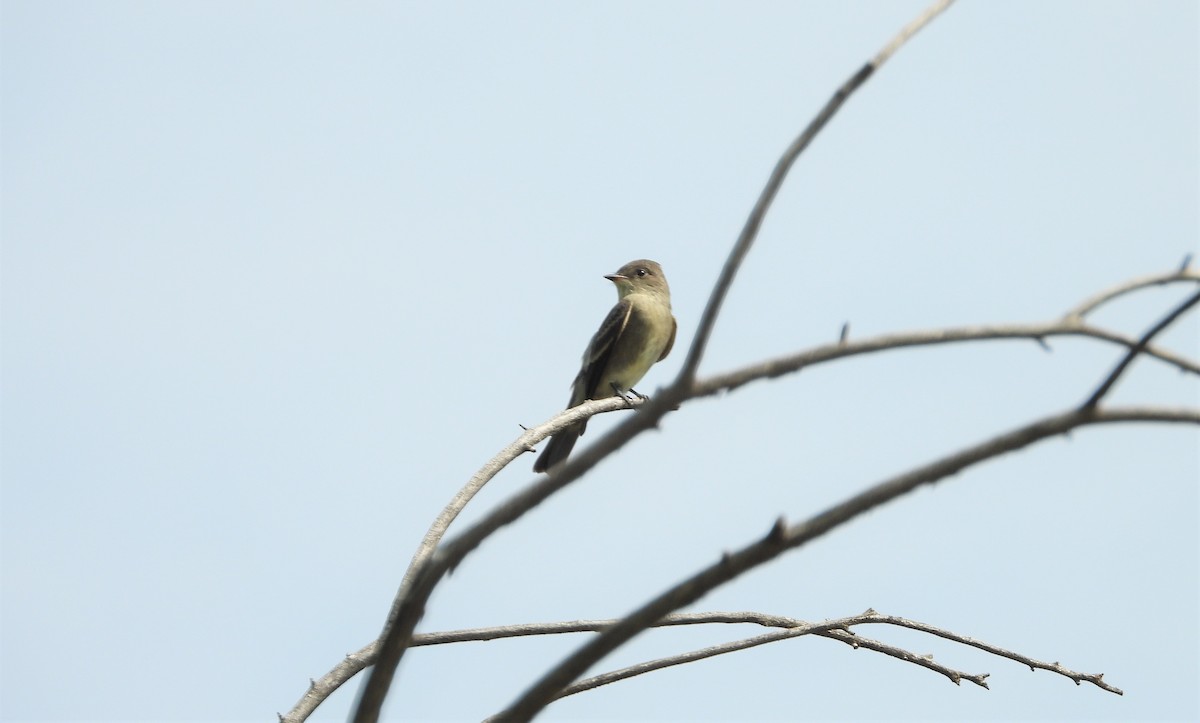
515,449
1096,679
1141,282
782,538
772,368
787,627
837,629
832,629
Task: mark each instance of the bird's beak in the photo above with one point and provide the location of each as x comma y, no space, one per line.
616,278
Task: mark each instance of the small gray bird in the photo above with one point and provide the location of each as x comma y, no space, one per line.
638,332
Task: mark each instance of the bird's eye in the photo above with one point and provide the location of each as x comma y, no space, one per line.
641,272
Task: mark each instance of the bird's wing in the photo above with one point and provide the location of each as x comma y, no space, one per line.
599,351
670,341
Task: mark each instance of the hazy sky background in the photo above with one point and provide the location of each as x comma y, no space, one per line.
279,276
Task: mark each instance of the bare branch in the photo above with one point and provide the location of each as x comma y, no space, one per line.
750,230
1096,679
771,368
788,628
591,626
835,629
319,690
1183,273
692,656
924,661
1163,323
734,564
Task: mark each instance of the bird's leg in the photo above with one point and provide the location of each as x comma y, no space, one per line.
619,392
628,395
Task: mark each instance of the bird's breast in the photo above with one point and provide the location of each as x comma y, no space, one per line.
641,343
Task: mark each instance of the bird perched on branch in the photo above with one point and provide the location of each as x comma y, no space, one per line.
638,332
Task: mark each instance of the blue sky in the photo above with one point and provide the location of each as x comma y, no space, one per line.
278,277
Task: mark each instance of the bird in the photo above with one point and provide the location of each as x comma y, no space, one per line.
638,332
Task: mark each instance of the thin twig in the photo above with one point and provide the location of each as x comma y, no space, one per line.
771,368
832,629
1096,679
924,661
787,627
1090,304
